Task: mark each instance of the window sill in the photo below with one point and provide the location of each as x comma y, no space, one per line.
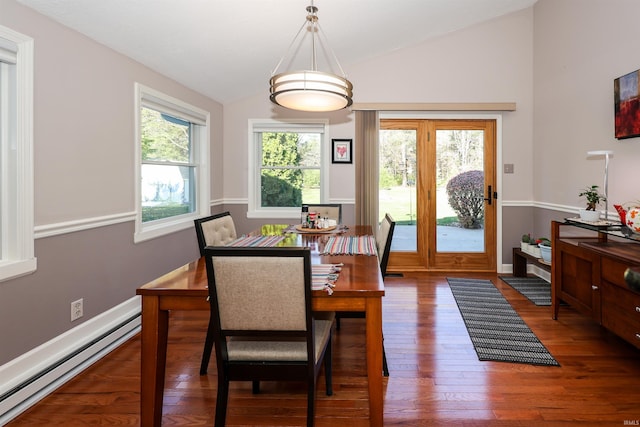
14,269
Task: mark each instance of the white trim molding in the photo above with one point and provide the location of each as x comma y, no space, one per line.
17,256
82,224
29,378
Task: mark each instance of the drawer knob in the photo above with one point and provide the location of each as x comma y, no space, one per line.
638,336
638,309
594,287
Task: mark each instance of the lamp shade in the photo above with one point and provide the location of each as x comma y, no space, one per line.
311,91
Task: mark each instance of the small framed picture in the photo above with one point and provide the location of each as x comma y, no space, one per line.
341,151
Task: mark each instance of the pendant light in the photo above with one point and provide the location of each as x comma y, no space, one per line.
310,90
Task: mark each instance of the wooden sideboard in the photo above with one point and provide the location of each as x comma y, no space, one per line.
588,267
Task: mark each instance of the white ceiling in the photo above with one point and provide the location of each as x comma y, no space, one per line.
227,49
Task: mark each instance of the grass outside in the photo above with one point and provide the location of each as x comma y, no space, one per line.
400,203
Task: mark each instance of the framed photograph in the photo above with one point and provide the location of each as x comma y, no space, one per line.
341,151
626,95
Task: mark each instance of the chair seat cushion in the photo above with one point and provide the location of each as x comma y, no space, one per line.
279,351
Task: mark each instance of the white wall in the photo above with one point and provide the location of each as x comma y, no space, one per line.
581,46
490,62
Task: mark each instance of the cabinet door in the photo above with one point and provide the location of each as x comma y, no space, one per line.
621,312
578,283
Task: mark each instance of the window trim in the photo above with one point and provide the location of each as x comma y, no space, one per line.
148,97
18,257
259,125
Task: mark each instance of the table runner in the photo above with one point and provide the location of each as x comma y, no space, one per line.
257,241
350,245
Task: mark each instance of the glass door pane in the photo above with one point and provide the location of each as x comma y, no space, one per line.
460,188
397,185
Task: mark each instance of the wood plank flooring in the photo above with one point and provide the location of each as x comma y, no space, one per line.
436,378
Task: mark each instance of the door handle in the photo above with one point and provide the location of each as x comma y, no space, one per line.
492,195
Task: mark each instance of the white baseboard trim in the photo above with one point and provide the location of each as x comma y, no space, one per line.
27,379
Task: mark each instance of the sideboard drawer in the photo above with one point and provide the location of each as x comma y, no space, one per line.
613,271
621,312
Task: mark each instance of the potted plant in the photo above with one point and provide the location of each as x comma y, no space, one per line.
524,242
533,248
594,198
545,249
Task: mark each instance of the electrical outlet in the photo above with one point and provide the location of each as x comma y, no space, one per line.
76,309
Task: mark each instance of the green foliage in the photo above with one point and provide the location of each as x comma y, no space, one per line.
543,241
281,185
164,137
466,196
526,238
397,157
151,213
277,192
387,180
593,197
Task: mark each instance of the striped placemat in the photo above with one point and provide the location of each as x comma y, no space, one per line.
257,241
324,276
350,245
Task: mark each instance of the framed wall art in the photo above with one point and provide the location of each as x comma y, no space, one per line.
341,151
627,109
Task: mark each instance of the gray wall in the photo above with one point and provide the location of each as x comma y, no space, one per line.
84,172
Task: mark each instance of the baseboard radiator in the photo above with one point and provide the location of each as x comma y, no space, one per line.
29,378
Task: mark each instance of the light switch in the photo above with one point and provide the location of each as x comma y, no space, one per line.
508,168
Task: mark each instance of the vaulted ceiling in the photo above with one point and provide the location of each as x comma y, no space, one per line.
227,49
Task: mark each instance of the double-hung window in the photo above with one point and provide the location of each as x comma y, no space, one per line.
16,155
173,179
287,166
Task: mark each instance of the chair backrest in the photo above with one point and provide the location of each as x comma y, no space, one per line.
215,230
260,292
384,235
329,210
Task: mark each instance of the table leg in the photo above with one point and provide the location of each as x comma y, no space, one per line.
374,360
155,325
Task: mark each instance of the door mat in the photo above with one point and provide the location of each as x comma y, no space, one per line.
497,332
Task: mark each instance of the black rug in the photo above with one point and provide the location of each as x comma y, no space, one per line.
537,290
496,330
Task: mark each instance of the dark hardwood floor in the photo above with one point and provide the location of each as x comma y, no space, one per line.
436,378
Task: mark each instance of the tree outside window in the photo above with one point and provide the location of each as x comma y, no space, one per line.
167,167
290,169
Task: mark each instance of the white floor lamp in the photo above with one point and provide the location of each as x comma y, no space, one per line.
607,154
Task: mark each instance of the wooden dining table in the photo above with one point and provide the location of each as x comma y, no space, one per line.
360,287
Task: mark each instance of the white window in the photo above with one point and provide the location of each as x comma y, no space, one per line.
172,148
287,167
16,155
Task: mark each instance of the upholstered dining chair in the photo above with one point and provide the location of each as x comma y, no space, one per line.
328,210
384,236
263,326
215,230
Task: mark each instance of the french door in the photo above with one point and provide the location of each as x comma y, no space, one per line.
437,179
